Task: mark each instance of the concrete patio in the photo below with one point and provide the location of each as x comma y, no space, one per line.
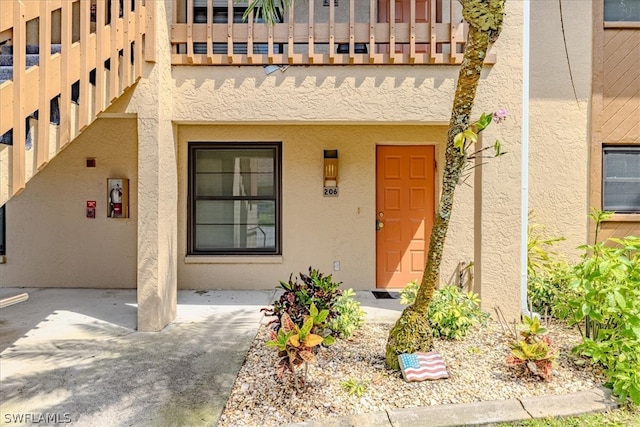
73,356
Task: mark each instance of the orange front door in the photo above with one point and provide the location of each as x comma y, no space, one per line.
405,208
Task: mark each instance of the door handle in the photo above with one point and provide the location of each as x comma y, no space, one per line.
379,224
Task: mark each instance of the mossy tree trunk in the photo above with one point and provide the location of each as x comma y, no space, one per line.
412,332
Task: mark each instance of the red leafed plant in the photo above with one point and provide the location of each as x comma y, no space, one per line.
533,351
295,344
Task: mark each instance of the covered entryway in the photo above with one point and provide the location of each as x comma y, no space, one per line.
405,207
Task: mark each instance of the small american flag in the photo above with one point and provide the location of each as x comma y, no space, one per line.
422,366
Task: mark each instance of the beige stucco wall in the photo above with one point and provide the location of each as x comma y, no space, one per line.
559,131
50,242
317,230
311,108
372,96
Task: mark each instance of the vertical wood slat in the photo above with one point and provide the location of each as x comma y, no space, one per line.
65,72
44,107
150,31
126,44
84,63
412,32
210,31
230,31
352,26
19,131
190,30
100,70
372,32
270,44
113,51
455,57
137,54
290,44
432,32
310,45
392,31
332,24
250,18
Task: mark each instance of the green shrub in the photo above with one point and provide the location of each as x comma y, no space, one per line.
350,316
355,387
603,300
451,312
547,271
543,290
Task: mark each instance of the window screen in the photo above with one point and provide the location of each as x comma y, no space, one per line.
622,10
234,198
621,179
2,234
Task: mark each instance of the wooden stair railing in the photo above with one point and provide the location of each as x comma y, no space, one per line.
53,84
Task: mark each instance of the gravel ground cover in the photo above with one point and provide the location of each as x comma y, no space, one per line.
476,367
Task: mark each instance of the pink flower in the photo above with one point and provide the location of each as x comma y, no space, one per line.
500,115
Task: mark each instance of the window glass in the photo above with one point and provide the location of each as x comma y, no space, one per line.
621,183
2,238
234,198
622,10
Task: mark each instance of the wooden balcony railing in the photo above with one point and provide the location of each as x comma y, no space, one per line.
320,32
61,63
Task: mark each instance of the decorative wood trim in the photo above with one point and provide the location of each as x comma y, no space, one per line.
114,64
618,24
44,107
19,131
65,78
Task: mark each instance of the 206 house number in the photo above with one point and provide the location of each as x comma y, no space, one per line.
330,191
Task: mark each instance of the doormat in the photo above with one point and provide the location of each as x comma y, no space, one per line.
386,295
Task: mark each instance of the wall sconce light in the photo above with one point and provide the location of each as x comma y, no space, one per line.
330,168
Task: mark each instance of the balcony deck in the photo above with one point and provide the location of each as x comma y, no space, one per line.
313,32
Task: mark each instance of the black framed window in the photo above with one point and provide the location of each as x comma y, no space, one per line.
622,10
2,232
234,198
621,179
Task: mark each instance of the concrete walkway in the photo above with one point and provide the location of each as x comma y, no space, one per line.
74,356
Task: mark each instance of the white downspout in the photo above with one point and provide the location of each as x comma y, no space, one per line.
524,209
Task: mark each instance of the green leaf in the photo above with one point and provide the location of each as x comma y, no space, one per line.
458,142
470,135
596,315
322,316
313,311
328,340
622,303
484,121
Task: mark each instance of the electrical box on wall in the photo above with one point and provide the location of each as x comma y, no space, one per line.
330,178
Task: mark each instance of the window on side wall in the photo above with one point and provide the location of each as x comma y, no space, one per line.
2,233
234,198
621,179
622,10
